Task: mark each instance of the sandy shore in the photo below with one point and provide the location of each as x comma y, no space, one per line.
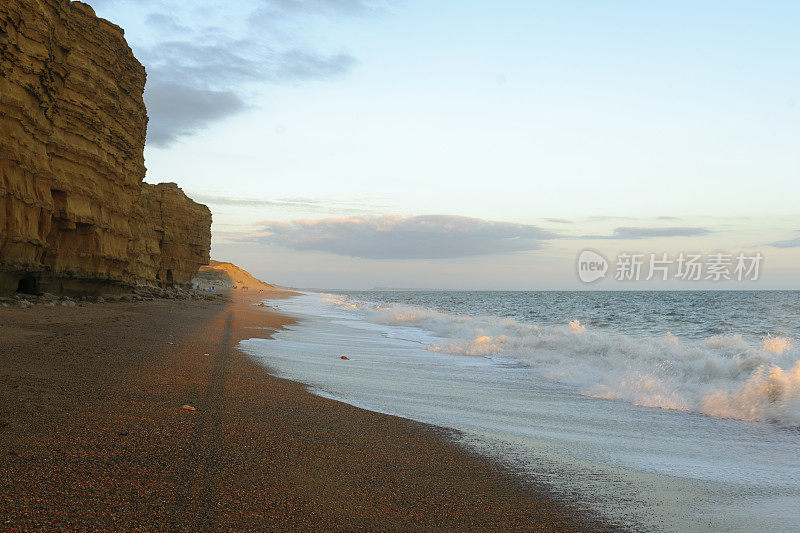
93,436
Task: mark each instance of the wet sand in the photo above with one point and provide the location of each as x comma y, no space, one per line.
93,436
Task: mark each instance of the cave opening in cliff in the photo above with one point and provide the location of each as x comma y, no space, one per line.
170,279
28,285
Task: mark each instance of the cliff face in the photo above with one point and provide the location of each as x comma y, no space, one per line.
162,249
74,214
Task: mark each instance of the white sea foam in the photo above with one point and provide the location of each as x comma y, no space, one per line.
721,376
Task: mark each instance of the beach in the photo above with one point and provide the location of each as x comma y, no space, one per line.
675,432
96,433
398,266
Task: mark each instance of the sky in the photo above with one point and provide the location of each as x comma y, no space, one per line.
403,143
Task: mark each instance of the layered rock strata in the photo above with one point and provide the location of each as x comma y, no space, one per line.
75,215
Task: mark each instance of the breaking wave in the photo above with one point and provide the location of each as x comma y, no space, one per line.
720,376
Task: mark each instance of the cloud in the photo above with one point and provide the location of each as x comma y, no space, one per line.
647,233
605,218
229,62
791,243
297,204
272,8
249,202
397,237
558,221
204,60
297,65
194,84
165,23
177,109
97,4
628,233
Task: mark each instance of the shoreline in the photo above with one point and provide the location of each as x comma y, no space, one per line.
93,435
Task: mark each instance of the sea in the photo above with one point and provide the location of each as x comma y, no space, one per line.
662,411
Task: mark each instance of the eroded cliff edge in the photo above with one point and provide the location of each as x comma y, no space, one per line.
75,215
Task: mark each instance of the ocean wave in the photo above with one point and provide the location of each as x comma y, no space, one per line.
720,376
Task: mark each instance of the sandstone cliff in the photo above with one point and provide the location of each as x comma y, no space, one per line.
75,216
171,235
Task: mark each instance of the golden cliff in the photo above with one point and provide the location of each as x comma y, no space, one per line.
75,215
